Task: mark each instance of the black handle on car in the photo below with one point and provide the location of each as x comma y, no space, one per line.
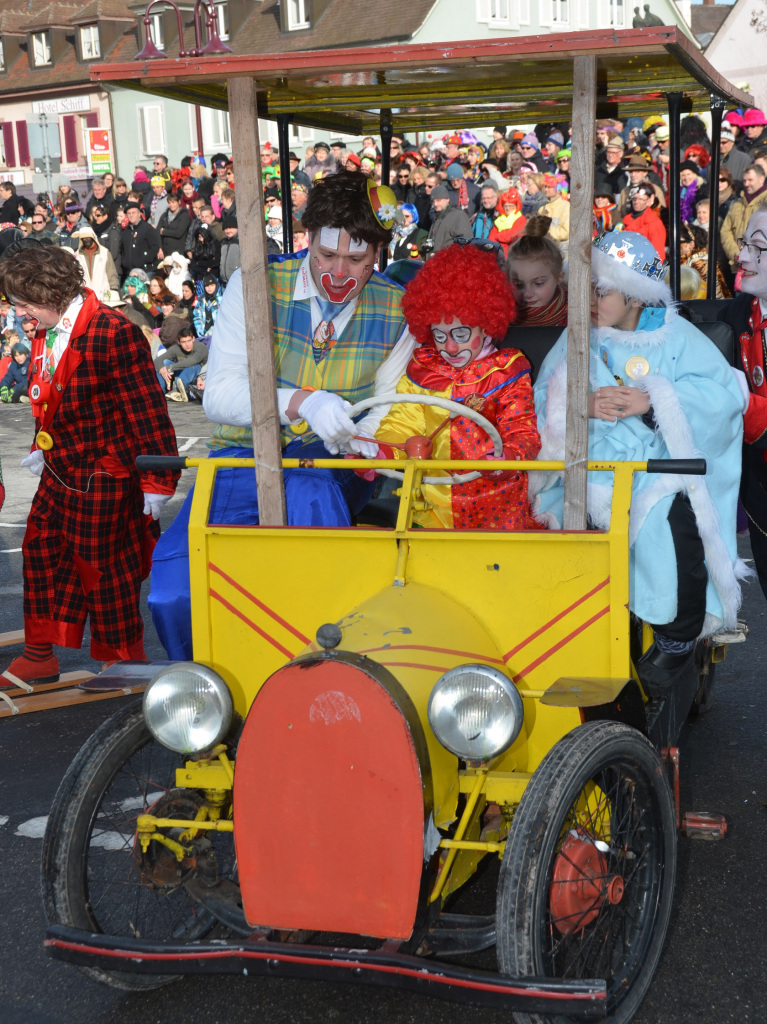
160,463
685,467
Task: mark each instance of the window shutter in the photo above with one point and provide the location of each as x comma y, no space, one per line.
10,147
545,13
524,11
603,14
152,129
70,139
92,119
21,136
483,11
581,18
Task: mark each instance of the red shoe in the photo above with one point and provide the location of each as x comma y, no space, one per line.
23,671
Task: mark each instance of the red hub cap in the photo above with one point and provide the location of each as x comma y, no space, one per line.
580,885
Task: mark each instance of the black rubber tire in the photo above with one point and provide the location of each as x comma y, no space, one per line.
637,815
89,874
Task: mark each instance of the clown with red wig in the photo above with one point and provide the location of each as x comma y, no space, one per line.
458,308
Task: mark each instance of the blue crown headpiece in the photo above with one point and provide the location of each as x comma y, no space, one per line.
632,251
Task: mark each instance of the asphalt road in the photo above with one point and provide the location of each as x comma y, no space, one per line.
714,966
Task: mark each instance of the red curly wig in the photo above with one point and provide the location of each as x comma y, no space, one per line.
699,154
460,283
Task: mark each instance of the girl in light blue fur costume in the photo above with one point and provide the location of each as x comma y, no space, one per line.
658,389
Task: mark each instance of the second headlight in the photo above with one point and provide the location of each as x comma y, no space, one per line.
476,712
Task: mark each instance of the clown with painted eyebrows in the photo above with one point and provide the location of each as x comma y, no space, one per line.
458,308
339,336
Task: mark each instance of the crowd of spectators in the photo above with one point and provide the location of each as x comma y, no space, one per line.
164,245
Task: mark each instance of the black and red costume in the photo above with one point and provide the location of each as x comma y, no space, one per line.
88,544
745,315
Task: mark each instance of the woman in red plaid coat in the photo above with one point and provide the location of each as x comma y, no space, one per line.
92,525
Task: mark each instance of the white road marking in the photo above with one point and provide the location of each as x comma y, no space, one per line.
15,526
32,829
4,819
189,443
9,551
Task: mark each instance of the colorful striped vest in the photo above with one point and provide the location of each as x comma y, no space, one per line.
349,368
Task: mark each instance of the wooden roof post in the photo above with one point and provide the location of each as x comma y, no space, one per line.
579,292
259,341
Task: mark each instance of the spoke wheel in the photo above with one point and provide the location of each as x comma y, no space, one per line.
587,877
95,875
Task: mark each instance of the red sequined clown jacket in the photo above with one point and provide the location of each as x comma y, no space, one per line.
498,386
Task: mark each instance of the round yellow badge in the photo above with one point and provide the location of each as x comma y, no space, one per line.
44,440
637,366
299,428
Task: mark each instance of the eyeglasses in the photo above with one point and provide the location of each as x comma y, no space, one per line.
428,187
483,244
403,175
754,250
723,181
39,220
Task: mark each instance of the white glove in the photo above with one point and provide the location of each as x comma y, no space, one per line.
367,449
154,503
326,415
34,462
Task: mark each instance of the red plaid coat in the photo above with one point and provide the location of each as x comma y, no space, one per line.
88,544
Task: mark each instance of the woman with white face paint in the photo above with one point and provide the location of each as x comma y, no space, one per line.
340,336
747,314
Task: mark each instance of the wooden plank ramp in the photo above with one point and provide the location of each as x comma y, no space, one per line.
14,636
62,694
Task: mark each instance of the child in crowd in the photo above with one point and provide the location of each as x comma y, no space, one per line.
510,222
173,320
188,299
535,269
13,386
457,308
657,386
605,213
5,353
207,307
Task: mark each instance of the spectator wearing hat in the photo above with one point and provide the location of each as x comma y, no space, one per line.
499,132
690,182
407,235
754,125
206,310
140,242
158,204
448,222
638,169
73,221
206,251
510,221
320,162
298,196
643,217
563,164
453,145
230,248
735,223
552,146
464,193
352,163
531,151
734,159
726,195
295,173
273,230
612,172
661,156
604,211
99,272
173,225
558,208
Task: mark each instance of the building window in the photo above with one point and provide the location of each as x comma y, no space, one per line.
494,13
298,15
612,14
222,20
2,56
215,128
554,13
299,134
151,128
155,28
41,49
90,47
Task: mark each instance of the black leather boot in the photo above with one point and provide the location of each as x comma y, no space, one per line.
659,673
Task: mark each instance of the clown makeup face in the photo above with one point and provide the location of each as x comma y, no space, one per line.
457,343
752,258
340,266
533,282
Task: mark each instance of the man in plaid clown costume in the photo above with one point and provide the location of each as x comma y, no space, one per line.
340,336
92,525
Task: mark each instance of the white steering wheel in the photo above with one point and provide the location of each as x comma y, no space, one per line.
455,408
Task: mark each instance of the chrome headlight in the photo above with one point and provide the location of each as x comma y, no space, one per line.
188,707
475,711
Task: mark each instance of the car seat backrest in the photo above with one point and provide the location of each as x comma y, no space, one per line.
706,309
722,335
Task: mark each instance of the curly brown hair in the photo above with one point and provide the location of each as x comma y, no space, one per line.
341,201
45,275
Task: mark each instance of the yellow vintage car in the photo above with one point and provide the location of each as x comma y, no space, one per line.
311,795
